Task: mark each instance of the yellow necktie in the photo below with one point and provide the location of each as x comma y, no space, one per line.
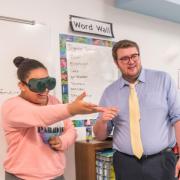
134,115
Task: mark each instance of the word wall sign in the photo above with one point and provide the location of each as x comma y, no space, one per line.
91,26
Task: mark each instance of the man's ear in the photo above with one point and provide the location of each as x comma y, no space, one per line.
21,86
115,61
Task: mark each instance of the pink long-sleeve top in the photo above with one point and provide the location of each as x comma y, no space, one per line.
28,157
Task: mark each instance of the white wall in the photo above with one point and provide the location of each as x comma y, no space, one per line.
159,40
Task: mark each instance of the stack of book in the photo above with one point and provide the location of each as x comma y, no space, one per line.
104,167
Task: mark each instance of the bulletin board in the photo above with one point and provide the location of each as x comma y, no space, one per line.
86,65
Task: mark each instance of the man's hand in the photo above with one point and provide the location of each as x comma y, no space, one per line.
177,169
109,113
100,127
81,107
55,143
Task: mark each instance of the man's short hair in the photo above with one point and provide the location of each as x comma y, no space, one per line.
122,45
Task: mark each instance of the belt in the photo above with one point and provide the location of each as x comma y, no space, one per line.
156,154
149,156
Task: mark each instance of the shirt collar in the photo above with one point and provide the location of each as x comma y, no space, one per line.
141,78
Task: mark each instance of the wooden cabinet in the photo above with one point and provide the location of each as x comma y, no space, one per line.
85,158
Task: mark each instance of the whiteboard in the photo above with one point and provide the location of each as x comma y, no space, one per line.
90,68
18,40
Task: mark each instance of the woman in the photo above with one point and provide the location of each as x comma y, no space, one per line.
34,150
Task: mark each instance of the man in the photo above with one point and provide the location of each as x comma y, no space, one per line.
147,121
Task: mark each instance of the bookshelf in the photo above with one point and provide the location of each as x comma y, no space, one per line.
85,157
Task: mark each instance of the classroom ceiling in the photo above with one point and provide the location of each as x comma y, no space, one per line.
163,9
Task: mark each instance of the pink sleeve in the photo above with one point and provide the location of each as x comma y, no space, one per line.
69,136
22,114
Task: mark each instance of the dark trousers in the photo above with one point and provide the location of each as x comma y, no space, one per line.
155,167
9,176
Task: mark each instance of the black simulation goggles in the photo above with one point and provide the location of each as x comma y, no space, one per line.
40,85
